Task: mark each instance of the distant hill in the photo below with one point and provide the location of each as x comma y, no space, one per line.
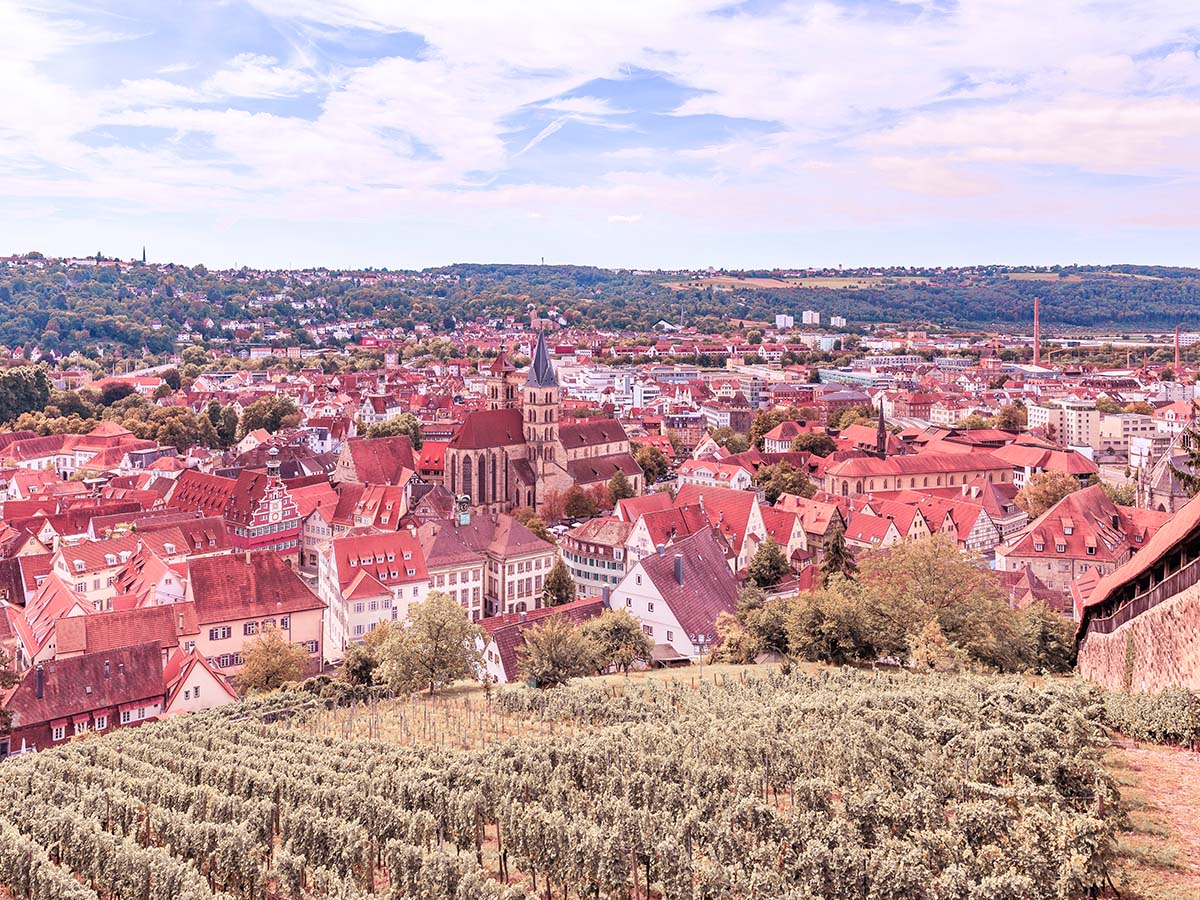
128,307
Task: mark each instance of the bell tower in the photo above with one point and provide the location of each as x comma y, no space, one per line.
501,386
540,407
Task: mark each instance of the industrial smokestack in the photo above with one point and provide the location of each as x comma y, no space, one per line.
679,569
1037,332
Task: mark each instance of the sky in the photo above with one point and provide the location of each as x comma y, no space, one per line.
621,133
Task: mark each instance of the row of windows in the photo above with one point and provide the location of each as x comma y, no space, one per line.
595,563
452,578
224,632
584,575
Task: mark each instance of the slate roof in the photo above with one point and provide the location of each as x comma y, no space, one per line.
77,686
708,586
541,371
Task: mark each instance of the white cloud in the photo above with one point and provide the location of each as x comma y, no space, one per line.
947,114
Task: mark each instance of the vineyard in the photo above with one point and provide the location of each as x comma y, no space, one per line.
835,785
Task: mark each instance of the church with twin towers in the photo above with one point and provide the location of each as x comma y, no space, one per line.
519,451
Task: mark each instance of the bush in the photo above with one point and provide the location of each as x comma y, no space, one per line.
1171,717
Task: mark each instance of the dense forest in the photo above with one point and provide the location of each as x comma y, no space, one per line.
132,308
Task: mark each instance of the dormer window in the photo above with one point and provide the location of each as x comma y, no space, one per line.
1091,551
79,566
1060,547
391,557
1039,547
353,562
110,559
408,556
170,548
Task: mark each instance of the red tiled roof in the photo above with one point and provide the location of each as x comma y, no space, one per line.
246,586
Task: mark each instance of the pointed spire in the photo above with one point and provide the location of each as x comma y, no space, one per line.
881,435
541,372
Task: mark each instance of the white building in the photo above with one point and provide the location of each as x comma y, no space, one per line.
678,595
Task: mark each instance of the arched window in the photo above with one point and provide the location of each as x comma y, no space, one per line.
453,478
494,478
845,488
466,478
482,478
925,481
858,487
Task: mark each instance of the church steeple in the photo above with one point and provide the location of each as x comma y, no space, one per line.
541,370
540,406
881,436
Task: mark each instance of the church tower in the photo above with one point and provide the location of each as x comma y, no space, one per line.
501,385
540,407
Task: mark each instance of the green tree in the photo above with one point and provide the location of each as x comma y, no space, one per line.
1107,405
579,504
559,586
270,661
817,443
406,423
439,646
1120,494
1139,407
837,560
769,565
531,520
553,652
270,413
22,389
619,488
766,420
1011,417
828,626
652,461
783,478
1043,490
731,440
617,640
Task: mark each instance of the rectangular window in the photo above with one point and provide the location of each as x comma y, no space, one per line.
125,716
359,607
358,630
220,633
670,635
285,622
648,629
250,628
649,607
58,732
101,722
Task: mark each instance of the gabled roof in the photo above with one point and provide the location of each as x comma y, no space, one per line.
507,631
707,588
246,586
180,667
103,631
381,460
87,683
393,557
486,428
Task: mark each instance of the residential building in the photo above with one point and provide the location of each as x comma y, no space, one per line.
678,596
366,579
594,553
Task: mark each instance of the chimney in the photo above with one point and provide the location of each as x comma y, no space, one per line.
107,670
522,615
181,623
41,682
661,550
121,668
679,568
247,557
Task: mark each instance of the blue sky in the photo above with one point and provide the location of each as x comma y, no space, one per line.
655,133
